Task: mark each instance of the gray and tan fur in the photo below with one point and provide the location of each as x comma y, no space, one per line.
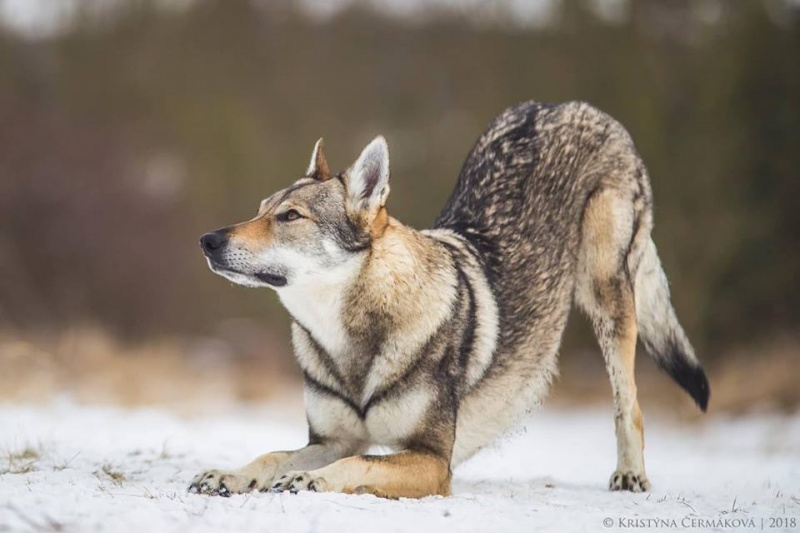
435,342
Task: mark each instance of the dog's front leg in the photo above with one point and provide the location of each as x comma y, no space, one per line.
408,474
260,473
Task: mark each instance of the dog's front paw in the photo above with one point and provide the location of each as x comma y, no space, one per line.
224,483
629,480
294,482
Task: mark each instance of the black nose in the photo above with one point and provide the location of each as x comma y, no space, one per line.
213,242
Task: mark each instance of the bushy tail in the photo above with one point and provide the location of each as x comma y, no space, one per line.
660,332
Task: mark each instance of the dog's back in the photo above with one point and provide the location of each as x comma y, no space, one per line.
520,200
558,204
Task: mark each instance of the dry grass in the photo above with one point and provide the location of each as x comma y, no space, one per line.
193,375
761,377
117,477
21,461
766,377
183,374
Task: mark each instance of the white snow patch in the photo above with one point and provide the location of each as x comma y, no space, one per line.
551,475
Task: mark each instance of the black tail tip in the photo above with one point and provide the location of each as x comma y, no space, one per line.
692,378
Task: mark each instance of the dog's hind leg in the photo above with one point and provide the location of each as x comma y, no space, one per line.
605,291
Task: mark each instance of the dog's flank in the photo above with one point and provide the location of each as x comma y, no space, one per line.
434,342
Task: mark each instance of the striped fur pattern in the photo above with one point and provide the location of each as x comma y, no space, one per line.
432,343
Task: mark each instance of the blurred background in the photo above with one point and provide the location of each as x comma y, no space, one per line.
128,128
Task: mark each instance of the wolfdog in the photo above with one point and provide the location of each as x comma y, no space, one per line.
434,342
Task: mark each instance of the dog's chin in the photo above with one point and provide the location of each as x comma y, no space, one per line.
238,278
260,279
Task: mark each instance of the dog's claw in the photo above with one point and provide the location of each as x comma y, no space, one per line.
294,482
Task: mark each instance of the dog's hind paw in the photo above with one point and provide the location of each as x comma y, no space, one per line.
628,480
223,483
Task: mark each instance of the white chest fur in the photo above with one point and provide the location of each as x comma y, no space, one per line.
388,423
394,420
319,311
318,305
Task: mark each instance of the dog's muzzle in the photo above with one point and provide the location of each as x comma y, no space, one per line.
214,245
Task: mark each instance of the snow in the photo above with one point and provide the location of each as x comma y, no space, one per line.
92,468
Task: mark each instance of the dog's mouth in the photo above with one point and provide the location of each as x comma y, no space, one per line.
270,278
276,280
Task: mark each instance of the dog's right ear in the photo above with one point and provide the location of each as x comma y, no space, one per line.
318,166
367,181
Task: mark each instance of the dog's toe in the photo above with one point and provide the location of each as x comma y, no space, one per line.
629,480
220,483
294,482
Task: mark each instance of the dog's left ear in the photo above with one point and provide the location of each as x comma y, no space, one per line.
318,166
367,181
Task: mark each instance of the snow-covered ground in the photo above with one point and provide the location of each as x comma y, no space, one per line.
75,468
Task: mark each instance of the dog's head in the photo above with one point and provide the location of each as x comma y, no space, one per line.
319,227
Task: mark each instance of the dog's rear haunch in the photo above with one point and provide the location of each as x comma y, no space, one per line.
435,342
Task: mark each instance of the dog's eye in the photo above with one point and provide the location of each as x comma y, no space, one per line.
289,215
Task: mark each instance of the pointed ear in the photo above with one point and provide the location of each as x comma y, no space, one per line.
367,181
318,166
